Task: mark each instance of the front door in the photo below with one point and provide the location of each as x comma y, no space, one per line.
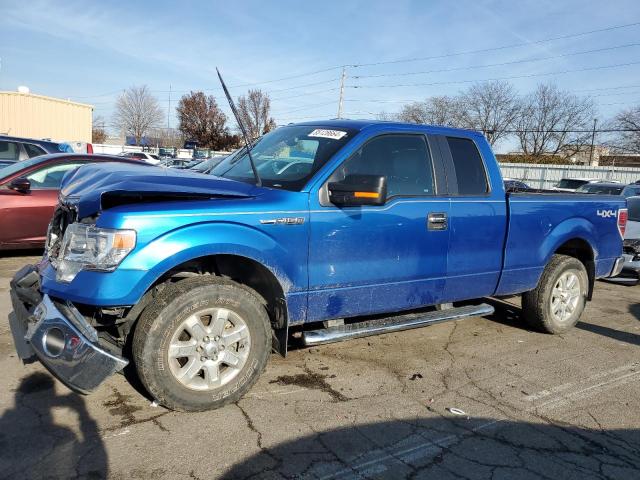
375,259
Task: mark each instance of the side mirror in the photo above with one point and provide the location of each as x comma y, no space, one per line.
356,190
22,185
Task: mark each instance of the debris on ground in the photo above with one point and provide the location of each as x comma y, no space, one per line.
456,411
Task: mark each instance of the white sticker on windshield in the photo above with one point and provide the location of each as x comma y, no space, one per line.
322,133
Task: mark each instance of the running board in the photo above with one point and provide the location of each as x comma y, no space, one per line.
391,324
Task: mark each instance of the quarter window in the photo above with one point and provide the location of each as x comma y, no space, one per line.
403,159
468,165
33,150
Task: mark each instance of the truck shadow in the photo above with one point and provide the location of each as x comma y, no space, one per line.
455,447
34,445
509,314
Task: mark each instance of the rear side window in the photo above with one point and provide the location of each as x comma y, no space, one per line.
467,162
9,151
403,159
33,150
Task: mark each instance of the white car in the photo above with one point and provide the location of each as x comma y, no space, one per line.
144,156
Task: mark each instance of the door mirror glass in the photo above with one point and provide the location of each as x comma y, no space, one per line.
21,185
357,190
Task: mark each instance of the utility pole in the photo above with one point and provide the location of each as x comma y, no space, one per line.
344,74
593,140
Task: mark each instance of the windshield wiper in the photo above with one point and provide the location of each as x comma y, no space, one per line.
242,129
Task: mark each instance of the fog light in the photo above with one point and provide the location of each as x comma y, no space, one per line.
53,342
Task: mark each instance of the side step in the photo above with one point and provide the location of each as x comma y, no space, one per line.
391,324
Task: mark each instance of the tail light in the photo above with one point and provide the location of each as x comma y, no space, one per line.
623,215
89,148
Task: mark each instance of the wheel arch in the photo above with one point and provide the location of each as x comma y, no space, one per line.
247,271
582,250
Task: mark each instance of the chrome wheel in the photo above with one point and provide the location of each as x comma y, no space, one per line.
209,348
565,296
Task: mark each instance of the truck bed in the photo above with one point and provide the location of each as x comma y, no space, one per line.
538,224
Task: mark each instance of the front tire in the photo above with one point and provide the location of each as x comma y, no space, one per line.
557,302
202,343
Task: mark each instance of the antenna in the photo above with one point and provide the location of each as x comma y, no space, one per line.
242,129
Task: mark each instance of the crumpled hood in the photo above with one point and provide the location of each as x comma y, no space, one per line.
97,186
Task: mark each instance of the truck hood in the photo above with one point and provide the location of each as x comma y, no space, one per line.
104,185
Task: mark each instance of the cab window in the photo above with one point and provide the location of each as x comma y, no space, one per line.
403,159
468,166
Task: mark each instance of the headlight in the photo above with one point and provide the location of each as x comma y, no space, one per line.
86,247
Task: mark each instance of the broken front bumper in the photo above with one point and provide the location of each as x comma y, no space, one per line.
55,333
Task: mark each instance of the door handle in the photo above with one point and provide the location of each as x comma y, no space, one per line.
437,221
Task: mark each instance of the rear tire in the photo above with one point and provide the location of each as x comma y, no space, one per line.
557,302
202,343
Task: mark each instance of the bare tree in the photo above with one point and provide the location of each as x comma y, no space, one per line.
255,113
202,120
440,110
628,141
551,121
490,107
137,111
98,130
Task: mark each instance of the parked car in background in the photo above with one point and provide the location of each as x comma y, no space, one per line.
631,190
176,163
602,188
631,243
165,153
15,149
144,156
572,184
29,193
207,165
513,185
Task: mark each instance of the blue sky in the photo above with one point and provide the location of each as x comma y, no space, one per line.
89,51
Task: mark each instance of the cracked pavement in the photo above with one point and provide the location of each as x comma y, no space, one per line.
534,406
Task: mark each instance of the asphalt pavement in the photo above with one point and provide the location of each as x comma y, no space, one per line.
478,398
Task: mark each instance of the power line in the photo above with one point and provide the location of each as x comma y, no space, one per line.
513,77
309,106
501,64
503,47
407,60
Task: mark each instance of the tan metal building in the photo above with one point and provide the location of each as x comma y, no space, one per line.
37,116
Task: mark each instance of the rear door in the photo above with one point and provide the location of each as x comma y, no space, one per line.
477,220
374,259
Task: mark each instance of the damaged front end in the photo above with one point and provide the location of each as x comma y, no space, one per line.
57,334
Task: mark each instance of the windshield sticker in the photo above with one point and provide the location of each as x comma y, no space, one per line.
332,134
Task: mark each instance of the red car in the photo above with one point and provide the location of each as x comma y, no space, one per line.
29,193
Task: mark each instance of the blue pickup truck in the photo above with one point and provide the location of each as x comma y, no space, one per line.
353,228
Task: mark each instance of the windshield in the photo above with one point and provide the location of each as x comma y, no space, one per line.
604,189
571,183
633,206
286,157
